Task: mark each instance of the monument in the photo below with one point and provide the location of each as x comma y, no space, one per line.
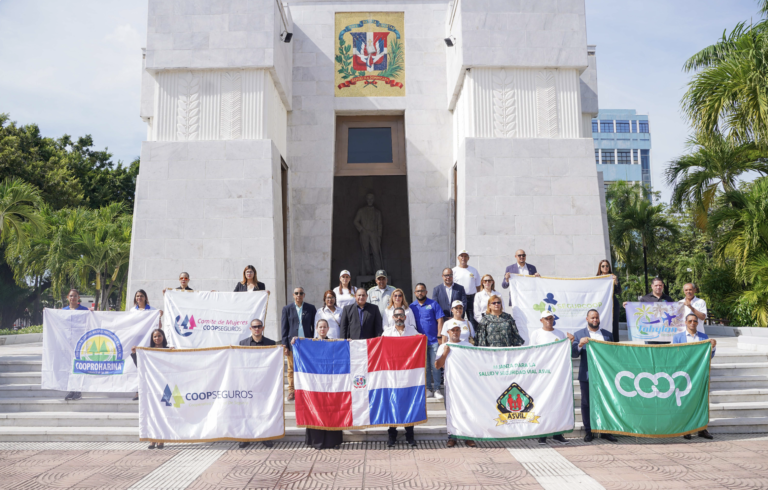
469,118
368,224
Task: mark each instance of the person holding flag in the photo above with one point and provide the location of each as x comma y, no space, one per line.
400,329
454,338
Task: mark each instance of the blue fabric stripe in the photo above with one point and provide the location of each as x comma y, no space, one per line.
320,357
396,406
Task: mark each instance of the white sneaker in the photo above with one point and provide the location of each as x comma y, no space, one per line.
438,395
430,394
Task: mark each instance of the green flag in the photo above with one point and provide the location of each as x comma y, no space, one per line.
649,390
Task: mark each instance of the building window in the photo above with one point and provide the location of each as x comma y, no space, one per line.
633,125
644,127
635,157
597,157
608,157
624,157
594,126
645,160
606,126
622,126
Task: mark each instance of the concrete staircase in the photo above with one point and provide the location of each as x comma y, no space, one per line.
738,404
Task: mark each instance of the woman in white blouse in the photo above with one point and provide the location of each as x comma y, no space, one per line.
330,313
345,292
481,298
397,300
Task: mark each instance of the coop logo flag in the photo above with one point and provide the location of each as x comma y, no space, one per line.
655,321
360,383
568,299
91,350
649,390
218,394
201,319
509,393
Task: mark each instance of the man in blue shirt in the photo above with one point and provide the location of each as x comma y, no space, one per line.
429,321
74,304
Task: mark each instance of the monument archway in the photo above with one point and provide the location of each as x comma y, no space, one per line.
370,201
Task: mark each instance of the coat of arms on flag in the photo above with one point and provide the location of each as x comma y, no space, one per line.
360,383
370,54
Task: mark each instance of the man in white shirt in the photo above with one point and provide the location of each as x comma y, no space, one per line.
548,333
400,329
694,305
454,338
692,334
468,277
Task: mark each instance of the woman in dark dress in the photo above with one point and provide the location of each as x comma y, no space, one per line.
319,438
604,269
158,342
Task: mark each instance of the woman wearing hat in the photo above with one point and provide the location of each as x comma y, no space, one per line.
345,292
467,330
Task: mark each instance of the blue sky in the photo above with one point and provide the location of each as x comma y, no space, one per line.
74,66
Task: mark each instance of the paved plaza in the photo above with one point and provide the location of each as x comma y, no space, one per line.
728,462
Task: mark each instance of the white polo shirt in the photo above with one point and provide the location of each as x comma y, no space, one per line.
468,278
701,306
542,336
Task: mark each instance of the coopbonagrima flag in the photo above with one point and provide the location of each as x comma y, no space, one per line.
201,319
215,394
509,392
360,383
649,390
91,350
568,299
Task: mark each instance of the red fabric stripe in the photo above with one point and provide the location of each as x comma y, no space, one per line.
396,353
324,409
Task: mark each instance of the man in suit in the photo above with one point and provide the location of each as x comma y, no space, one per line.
361,320
256,339
579,349
692,334
520,267
298,320
448,292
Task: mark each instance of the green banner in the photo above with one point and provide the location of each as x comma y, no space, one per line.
649,390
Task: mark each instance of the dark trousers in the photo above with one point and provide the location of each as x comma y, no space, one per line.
584,386
392,431
470,311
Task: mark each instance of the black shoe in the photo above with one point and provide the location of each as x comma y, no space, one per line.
135,398
160,445
687,437
588,437
69,395
390,442
608,437
268,443
705,434
243,445
152,445
542,440
560,438
411,442
77,395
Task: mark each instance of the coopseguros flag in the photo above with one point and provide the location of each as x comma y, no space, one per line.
505,393
649,390
201,319
568,299
215,394
360,383
91,350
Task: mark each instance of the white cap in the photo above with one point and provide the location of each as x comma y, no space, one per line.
462,252
457,303
344,272
546,314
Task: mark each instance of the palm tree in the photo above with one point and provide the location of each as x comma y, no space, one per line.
729,92
18,204
618,196
643,220
715,162
756,295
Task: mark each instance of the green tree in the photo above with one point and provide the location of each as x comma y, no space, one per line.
18,204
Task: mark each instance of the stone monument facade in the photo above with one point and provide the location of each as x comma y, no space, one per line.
239,163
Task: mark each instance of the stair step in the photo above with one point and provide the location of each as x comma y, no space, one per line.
20,378
26,366
34,391
69,419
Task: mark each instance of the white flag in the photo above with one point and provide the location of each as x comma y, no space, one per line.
201,319
497,393
217,394
91,350
568,299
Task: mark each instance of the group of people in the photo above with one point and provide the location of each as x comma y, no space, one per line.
465,309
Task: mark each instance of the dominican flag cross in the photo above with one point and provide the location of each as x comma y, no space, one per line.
370,51
360,383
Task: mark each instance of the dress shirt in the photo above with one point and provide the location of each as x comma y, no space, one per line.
701,306
448,290
523,270
481,303
692,338
394,332
301,325
467,277
596,335
260,342
333,318
360,314
389,321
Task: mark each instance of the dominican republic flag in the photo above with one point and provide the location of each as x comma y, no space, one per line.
370,51
360,383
